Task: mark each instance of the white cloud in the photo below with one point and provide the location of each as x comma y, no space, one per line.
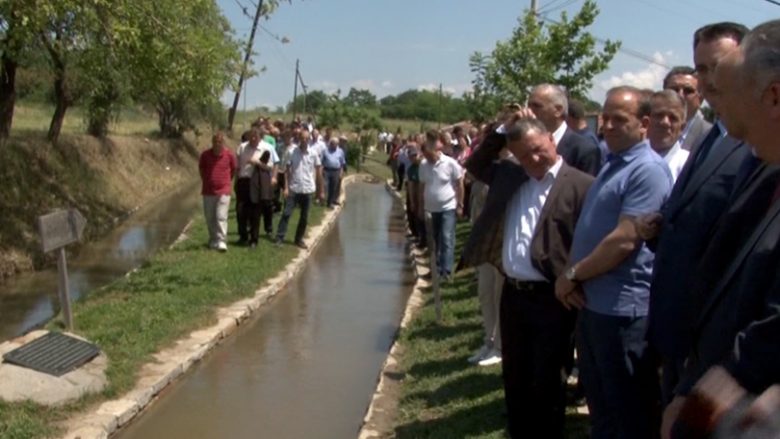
325,85
387,84
364,84
650,76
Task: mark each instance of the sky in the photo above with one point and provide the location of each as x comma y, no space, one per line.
388,46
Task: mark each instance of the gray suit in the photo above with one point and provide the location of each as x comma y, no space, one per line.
699,128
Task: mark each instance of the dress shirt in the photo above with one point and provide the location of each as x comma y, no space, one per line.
675,157
333,160
522,217
245,154
559,132
302,170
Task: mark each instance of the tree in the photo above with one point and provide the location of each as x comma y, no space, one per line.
561,53
314,101
182,61
360,98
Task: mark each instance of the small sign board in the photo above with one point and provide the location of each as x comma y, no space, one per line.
60,228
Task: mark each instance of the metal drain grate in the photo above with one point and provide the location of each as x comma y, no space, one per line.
54,353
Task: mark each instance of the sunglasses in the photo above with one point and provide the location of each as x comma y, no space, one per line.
687,91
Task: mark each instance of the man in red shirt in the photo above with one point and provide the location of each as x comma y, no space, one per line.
217,169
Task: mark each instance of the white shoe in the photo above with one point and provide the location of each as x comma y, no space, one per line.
480,355
221,247
494,357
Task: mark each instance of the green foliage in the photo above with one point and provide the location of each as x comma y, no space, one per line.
310,103
424,105
360,98
562,53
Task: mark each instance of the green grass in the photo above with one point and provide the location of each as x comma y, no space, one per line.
174,293
442,395
376,164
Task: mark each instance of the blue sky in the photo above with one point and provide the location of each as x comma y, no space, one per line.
391,46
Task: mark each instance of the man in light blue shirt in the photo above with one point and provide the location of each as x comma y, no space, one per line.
333,162
610,273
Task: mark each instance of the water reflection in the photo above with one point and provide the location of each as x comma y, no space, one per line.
307,365
31,299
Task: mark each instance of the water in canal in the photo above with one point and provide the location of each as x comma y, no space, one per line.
307,364
30,299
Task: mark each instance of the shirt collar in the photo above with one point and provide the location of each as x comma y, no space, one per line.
559,132
630,153
723,130
556,168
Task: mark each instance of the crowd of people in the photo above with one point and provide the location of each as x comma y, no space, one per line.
650,245
276,168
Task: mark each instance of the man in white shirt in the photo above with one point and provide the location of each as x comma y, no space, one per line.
667,119
302,179
441,178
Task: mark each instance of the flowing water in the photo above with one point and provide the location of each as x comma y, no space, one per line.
306,365
31,299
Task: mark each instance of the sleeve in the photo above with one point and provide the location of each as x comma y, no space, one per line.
317,159
755,358
233,165
457,172
647,189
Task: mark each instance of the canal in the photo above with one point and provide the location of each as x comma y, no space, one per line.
306,365
30,299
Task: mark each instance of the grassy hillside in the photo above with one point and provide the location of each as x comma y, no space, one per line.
104,179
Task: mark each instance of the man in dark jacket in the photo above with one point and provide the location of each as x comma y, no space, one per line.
525,230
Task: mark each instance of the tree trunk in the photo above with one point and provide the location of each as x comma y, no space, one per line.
7,94
62,102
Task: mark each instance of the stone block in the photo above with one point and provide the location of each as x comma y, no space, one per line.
123,409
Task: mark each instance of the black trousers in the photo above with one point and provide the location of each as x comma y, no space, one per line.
266,212
535,330
247,212
277,202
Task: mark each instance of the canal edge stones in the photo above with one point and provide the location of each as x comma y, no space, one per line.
105,419
380,415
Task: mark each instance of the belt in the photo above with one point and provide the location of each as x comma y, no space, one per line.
525,286
332,169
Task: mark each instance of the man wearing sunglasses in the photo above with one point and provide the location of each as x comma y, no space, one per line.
682,80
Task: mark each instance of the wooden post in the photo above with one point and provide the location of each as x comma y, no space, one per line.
64,289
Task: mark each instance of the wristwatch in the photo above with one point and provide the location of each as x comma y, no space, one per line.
571,274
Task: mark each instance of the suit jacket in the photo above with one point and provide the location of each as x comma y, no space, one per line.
553,235
697,202
699,128
580,152
738,294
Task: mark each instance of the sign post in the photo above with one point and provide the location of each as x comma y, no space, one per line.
58,229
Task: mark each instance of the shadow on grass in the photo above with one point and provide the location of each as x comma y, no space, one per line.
440,332
470,386
474,421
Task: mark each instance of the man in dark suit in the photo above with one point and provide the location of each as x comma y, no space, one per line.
525,230
682,80
550,105
737,330
698,199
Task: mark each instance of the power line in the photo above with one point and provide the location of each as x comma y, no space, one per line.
625,50
774,2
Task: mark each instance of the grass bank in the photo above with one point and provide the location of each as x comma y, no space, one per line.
103,178
174,293
441,394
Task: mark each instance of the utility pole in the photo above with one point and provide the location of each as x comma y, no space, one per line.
232,112
295,91
441,93
533,6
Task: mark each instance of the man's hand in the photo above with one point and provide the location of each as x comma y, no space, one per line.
570,294
763,408
648,226
285,192
459,212
671,413
320,198
273,181
720,391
